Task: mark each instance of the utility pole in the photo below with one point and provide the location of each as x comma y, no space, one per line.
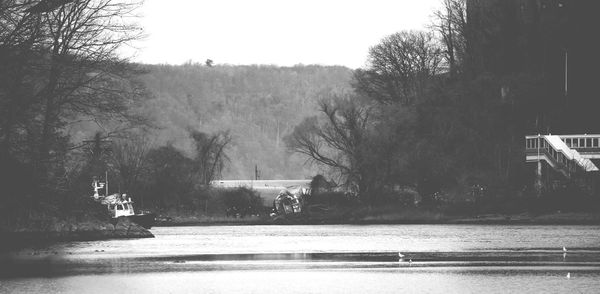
566,72
102,146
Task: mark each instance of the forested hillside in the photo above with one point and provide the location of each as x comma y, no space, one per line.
258,105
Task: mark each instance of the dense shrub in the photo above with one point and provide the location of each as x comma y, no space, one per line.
242,202
332,199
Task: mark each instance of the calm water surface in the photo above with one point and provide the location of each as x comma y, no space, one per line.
317,259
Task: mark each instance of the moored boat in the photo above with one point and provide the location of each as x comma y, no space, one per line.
119,205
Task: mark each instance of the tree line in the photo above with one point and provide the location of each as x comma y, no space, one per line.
72,108
62,80
59,65
160,178
258,104
428,113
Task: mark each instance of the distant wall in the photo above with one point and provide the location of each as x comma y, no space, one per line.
268,189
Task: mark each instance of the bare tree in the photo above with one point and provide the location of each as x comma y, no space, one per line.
84,74
451,24
128,160
210,155
58,64
337,140
20,42
62,64
400,67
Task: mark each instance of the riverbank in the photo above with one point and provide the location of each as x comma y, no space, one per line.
572,218
375,216
53,230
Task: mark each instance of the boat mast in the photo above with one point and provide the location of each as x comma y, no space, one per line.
106,177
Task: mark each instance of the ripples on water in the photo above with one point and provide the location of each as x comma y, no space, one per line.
332,259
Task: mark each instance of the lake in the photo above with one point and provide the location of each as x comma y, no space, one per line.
317,259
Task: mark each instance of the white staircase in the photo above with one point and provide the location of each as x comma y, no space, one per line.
553,150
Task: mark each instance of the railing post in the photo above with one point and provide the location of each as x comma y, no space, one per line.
538,174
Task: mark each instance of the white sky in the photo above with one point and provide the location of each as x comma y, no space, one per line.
284,32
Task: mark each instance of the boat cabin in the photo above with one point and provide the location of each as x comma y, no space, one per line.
121,208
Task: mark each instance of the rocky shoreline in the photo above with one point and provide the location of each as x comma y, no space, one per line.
63,231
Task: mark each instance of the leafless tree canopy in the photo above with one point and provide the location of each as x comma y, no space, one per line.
451,25
210,155
128,160
399,67
337,140
59,63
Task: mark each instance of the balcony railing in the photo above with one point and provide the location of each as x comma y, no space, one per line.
554,150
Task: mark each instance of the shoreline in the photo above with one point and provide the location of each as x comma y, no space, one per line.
487,219
125,229
68,231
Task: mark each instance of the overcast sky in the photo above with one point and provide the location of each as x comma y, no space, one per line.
280,32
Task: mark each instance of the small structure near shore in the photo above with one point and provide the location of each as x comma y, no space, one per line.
291,200
561,158
122,206
268,189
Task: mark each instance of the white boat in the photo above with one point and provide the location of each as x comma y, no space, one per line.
122,206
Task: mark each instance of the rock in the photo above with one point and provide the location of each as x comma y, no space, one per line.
71,230
128,229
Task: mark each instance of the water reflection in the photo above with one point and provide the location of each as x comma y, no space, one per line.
301,259
59,266
338,238
451,280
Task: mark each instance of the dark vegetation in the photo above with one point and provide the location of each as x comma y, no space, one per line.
70,111
242,202
437,120
430,126
58,66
